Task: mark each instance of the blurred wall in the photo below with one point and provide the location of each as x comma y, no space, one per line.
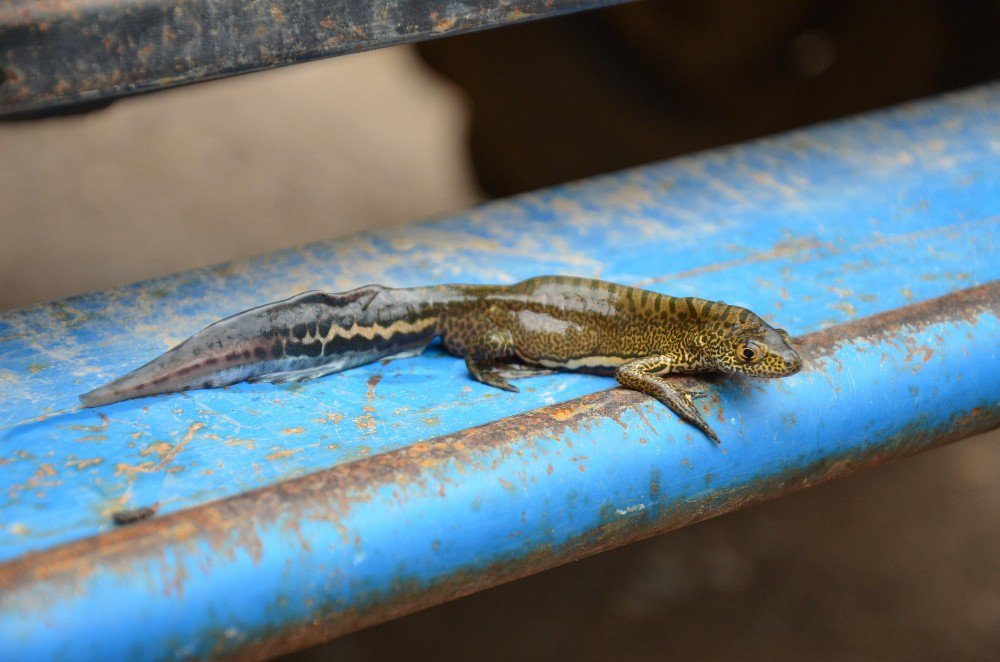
555,101
212,172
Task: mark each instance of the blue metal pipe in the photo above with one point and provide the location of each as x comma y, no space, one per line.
318,556
288,515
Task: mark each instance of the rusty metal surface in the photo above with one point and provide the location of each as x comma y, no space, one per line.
473,496
273,516
56,54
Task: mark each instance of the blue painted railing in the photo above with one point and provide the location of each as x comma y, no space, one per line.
289,514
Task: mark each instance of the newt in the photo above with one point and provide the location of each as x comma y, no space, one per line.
503,332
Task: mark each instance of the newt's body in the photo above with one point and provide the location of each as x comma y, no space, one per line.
502,331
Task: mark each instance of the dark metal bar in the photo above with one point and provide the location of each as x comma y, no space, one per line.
55,54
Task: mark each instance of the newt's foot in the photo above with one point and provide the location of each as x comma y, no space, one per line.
482,355
709,432
521,371
640,375
693,416
495,380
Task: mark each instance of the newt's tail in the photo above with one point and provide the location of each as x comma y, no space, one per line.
306,336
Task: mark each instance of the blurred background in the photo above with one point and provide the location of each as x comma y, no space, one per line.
900,563
214,172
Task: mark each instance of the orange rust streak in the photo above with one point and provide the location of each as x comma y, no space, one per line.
173,452
167,458
84,428
288,452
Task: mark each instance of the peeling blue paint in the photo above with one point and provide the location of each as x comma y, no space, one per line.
811,229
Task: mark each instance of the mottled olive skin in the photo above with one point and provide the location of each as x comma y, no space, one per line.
549,322
559,320
589,325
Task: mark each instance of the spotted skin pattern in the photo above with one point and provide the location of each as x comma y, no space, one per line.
502,331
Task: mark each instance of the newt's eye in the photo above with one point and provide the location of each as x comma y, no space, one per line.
749,352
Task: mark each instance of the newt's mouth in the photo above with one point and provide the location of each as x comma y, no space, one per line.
793,365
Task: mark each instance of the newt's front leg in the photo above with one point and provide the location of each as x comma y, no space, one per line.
639,375
481,358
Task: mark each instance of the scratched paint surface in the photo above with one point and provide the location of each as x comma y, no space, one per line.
277,569
810,229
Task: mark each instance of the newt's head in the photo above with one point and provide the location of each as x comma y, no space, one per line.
753,347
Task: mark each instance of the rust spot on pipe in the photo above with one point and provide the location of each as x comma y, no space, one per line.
167,455
133,515
372,383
